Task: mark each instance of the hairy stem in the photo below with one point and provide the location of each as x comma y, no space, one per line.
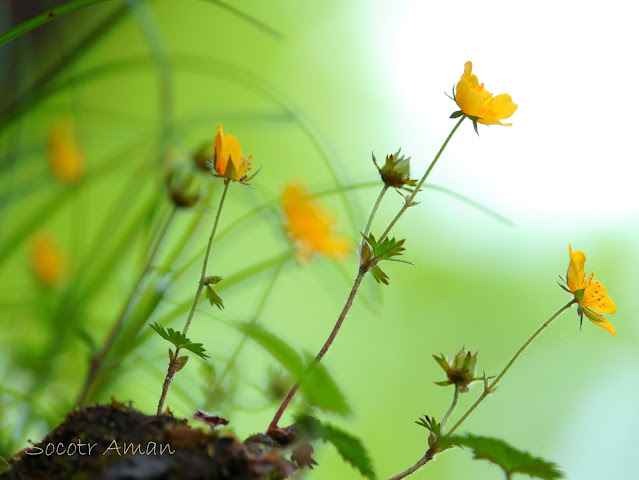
173,364
363,269
374,210
347,306
428,456
408,202
489,389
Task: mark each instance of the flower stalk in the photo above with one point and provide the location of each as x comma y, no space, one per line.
409,200
488,389
452,406
364,268
174,364
329,341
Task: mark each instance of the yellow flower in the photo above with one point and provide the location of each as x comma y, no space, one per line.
475,101
66,159
225,148
309,227
590,294
47,261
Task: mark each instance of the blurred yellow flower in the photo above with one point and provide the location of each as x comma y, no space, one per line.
590,294
225,148
47,261
66,159
310,227
475,101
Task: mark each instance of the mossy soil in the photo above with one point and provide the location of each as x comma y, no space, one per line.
117,442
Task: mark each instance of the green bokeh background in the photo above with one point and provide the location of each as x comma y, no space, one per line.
308,92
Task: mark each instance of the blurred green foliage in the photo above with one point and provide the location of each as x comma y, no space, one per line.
146,83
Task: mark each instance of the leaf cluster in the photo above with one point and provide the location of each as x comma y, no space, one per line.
374,251
179,340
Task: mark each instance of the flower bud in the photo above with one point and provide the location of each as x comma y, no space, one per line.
182,188
396,171
202,157
460,370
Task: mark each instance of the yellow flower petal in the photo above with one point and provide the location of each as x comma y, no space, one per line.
475,101
227,147
600,321
596,297
575,275
468,98
47,261
309,226
66,159
589,293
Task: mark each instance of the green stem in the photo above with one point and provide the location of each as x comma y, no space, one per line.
452,407
347,306
408,202
363,269
490,388
46,17
428,456
98,358
374,211
173,365
196,300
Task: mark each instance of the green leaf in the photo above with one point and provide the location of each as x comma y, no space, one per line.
379,275
214,298
319,389
322,391
350,448
388,248
179,340
510,459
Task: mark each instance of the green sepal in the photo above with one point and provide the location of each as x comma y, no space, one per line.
590,316
579,294
379,275
249,178
212,280
213,298
230,171
564,287
456,114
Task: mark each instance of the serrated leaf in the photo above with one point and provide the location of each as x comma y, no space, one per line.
379,275
214,298
350,448
322,391
508,458
387,248
179,340
319,388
